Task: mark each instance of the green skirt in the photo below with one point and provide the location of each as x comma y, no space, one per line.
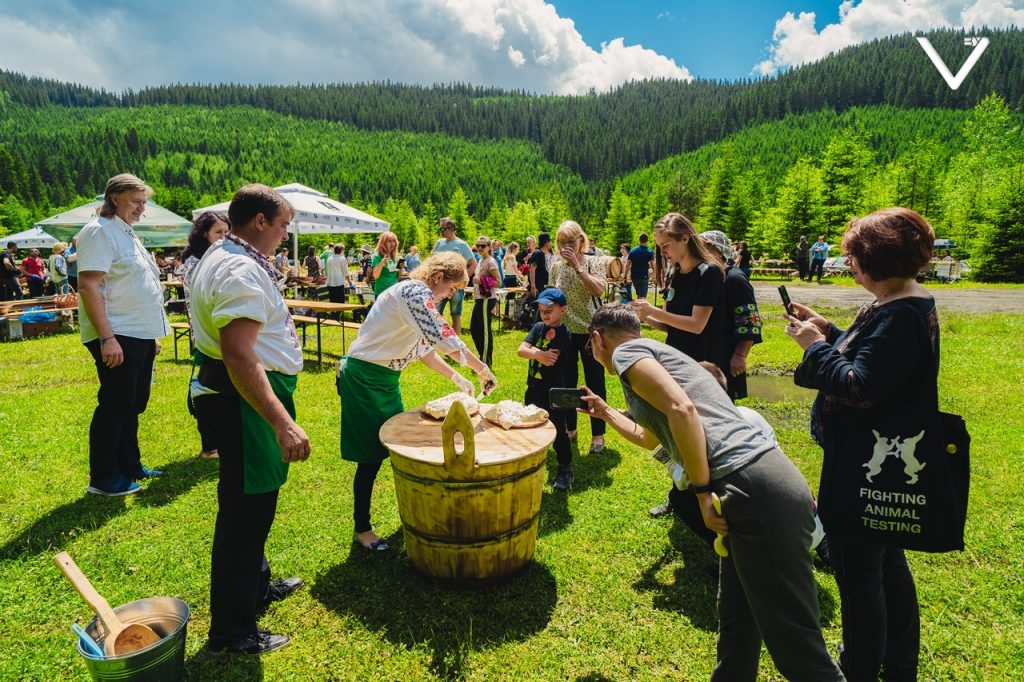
370,395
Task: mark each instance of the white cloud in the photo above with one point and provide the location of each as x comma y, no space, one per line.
521,44
795,40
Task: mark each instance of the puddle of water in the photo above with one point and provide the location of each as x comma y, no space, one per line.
777,389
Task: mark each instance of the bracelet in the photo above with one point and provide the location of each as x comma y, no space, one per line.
103,341
739,356
699,489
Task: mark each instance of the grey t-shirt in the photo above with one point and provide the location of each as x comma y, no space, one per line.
732,440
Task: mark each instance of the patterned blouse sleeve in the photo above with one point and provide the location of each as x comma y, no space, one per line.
436,332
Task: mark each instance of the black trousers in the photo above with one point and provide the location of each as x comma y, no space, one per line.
123,396
537,393
881,621
593,373
480,330
362,492
207,432
802,266
73,281
684,504
336,294
817,266
10,288
239,570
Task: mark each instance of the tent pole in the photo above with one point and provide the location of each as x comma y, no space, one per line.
295,242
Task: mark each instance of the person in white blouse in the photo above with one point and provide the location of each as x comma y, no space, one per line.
337,275
403,326
122,321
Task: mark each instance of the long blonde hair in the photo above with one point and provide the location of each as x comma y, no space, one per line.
450,265
124,182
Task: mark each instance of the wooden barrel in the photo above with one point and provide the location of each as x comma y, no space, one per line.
467,517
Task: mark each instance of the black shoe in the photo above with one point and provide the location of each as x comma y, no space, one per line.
661,510
280,589
261,643
563,479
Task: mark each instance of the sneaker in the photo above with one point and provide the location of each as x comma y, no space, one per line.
661,510
209,454
260,643
115,486
563,479
145,472
280,589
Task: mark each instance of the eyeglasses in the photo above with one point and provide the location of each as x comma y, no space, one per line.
589,345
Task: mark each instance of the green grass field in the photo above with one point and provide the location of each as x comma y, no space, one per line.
612,595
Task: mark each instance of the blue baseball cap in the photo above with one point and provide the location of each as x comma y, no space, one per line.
552,296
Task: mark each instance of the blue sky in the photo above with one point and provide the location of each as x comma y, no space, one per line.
569,47
720,39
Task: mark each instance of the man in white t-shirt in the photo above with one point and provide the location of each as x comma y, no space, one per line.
249,358
122,320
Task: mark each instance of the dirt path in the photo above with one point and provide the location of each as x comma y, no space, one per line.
960,300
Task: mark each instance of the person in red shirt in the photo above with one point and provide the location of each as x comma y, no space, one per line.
35,271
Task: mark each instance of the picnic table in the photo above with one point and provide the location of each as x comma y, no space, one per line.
321,310
773,273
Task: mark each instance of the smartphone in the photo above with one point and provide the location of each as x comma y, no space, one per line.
786,303
566,398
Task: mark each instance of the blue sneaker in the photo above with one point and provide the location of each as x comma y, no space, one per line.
145,472
115,486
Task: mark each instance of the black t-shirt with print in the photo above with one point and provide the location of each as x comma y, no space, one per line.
543,337
8,266
701,286
540,278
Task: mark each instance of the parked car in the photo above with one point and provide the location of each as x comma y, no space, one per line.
836,265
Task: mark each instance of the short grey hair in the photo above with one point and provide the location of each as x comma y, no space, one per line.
124,182
616,317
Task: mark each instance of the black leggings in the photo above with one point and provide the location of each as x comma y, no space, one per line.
362,490
593,373
480,330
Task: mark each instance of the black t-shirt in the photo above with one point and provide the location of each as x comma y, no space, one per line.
557,338
702,286
8,267
745,258
540,278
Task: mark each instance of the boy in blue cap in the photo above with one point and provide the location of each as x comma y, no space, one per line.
547,347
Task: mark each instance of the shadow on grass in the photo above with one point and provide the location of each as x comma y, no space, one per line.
590,471
204,665
693,589
88,513
383,592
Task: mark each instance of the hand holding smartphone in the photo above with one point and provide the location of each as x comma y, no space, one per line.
566,398
786,302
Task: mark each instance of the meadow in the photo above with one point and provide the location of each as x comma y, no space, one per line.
612,594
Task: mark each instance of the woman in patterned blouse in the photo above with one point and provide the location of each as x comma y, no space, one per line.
582,278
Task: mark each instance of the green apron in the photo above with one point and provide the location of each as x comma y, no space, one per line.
370,395
261,455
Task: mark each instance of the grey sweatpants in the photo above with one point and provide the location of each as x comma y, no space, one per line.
766,590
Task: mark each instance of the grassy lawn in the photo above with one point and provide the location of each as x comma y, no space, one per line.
612,594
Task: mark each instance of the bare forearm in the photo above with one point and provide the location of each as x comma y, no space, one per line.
630,430
434,362
743,348
592,284
95,308
687,323
691,443
250,380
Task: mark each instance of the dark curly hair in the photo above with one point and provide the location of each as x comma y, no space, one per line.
198,241
891,242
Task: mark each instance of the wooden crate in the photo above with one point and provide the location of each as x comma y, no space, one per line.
33,329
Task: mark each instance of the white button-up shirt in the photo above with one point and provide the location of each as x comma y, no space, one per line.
131,288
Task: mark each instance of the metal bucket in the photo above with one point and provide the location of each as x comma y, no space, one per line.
160,662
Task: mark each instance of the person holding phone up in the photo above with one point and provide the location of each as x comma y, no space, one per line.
547,347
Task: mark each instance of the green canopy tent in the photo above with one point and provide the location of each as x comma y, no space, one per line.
158,229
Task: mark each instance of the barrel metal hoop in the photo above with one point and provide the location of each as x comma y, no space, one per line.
499,537
468,485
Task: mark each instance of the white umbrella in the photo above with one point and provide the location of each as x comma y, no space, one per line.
33,238
316,213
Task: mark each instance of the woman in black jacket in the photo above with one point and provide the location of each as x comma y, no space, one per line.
888,358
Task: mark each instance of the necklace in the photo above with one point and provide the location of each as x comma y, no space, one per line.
260,259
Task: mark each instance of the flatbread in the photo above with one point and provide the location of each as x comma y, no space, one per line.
509,414
438,407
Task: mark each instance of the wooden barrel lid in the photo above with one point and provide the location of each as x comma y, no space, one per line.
418,438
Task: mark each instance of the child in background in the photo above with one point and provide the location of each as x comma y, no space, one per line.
547,347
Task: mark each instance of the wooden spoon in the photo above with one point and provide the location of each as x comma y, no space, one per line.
121,639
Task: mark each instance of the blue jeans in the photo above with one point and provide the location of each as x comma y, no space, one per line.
627,292
456,300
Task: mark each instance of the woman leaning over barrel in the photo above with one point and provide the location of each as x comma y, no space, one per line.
887,359
766,588
582,278
402,326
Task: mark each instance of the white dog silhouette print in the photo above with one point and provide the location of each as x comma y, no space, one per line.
904,449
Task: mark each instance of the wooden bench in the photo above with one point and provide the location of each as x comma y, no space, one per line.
773,273
180,330
304,320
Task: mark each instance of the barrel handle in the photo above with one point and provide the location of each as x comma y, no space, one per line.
458,421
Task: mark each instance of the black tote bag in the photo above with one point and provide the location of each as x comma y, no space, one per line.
897,479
